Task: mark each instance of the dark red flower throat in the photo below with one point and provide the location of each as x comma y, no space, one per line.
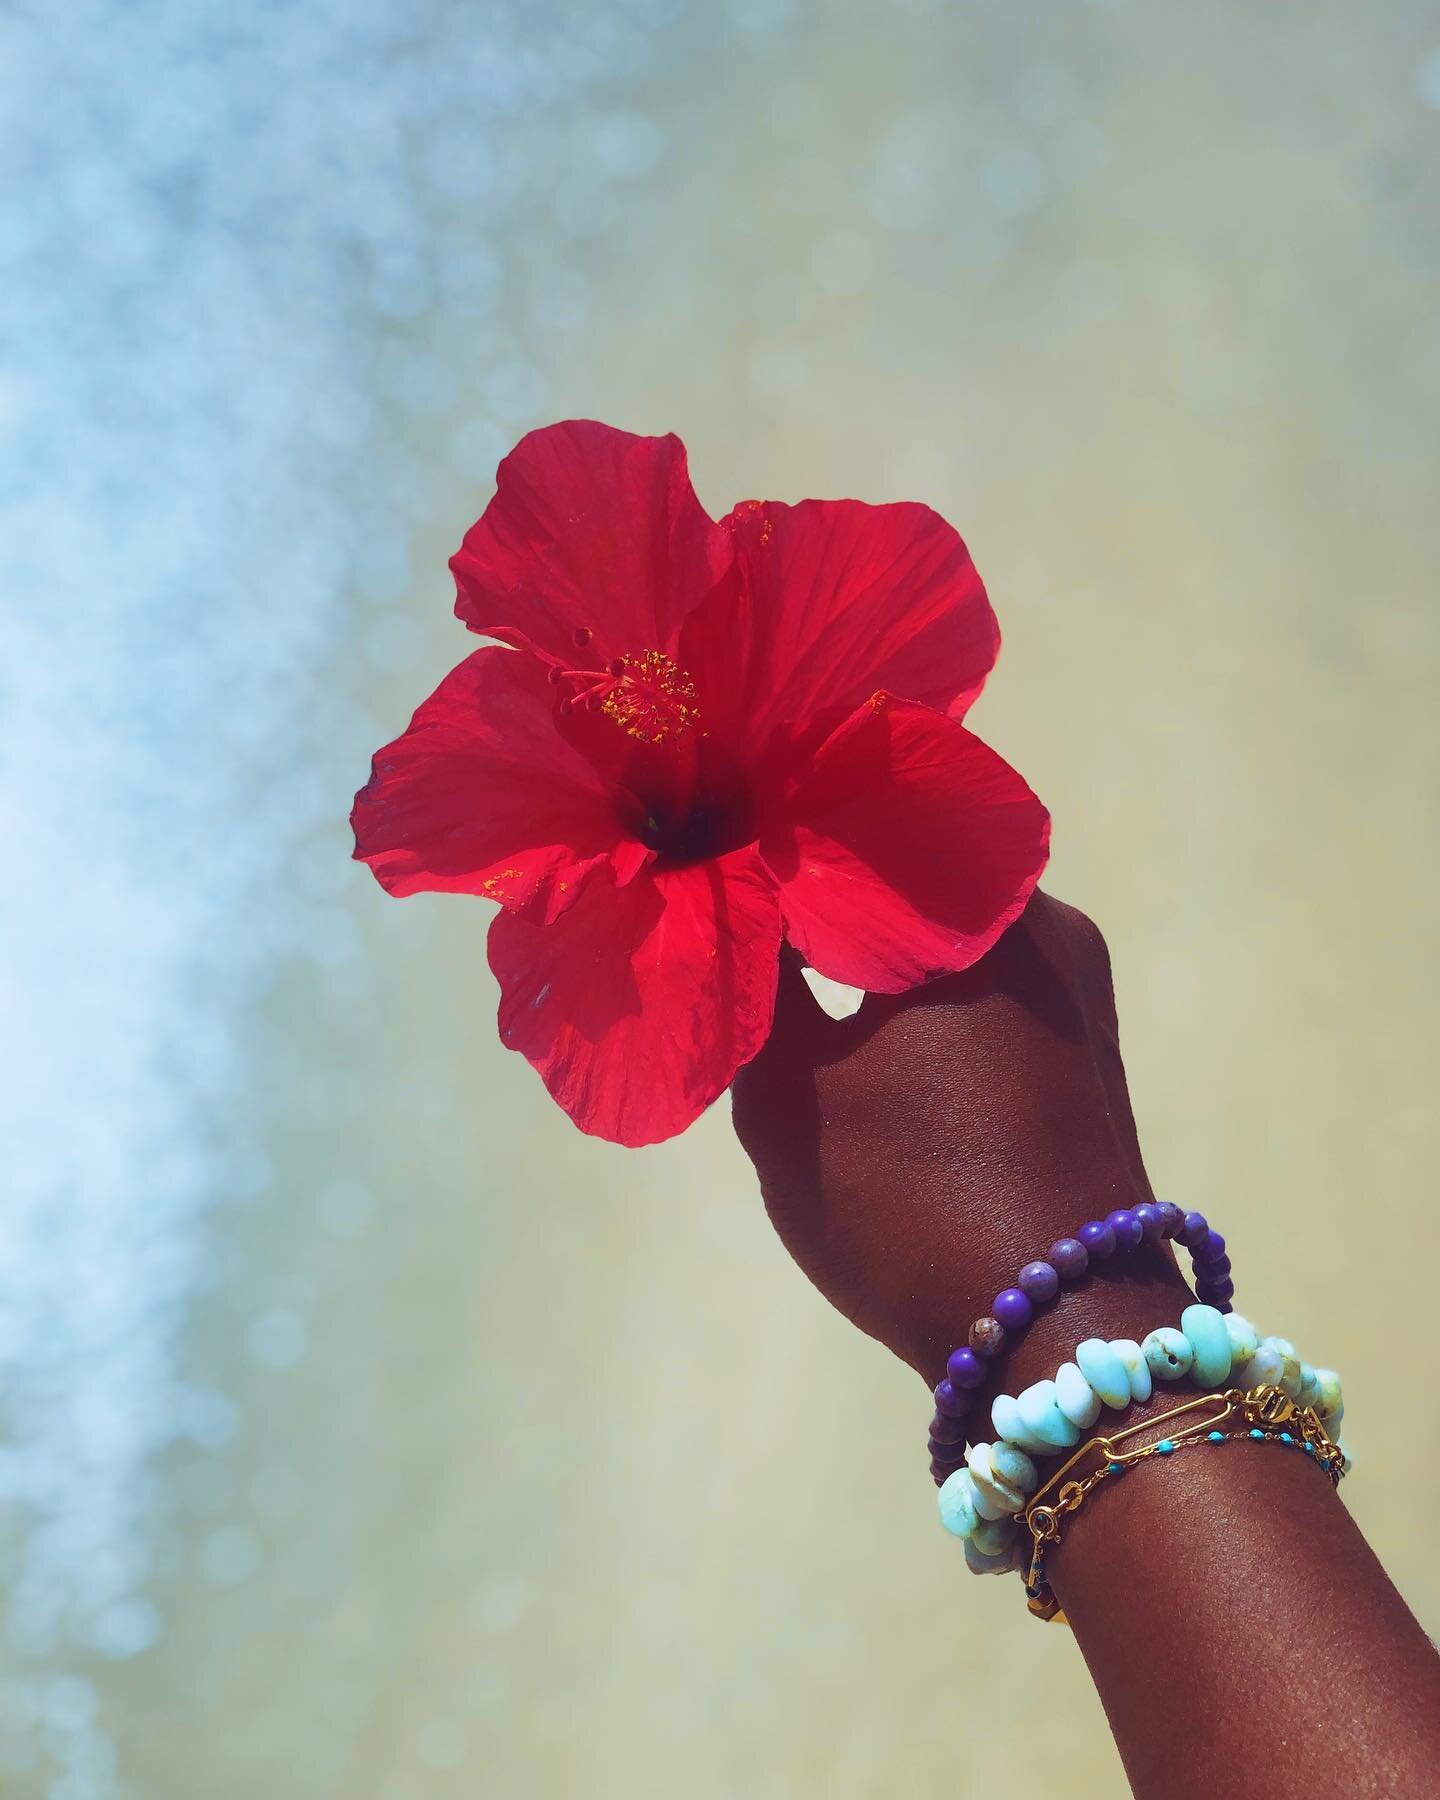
679,792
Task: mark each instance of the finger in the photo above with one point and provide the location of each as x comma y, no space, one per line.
1090,959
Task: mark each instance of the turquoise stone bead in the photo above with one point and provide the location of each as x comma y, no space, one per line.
1105,1372
1216,1437
1014,1467
1168,1353
1289,1377
1005,1416
994,1499
992,1536
980,1564
1137,1370
1205,1328
1165,1446
1329,1402
1264,1368
957,1504
1042,1416
1075,1397
1309,1386
1244,1339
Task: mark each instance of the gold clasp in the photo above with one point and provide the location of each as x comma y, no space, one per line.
1272,1404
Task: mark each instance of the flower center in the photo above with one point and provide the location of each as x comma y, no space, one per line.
649,696
687,836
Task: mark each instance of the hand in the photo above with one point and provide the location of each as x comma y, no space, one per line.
914,1157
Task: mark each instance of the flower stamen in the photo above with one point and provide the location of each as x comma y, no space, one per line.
649,696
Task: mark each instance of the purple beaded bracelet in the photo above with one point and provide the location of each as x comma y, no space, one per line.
1039,1282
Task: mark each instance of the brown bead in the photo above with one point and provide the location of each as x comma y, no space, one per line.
987,1337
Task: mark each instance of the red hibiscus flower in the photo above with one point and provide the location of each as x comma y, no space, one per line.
702,738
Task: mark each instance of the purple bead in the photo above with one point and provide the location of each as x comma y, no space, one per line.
1068,1257
1212,1271
1013,1309
1171,1218
987,1338
1150,1221
1210,1250
1098,1239
944,1430
954,1402
940,1471
1039,1282
1127,1228
1211,1293
948,1454
1193,1230
964,1369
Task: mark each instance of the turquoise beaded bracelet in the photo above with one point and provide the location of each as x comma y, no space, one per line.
980,1502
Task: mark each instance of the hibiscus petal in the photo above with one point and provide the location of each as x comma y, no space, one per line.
640,1004
906,850
593,547
482,795
839,599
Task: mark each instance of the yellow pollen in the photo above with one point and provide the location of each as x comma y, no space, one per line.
492,884
653,698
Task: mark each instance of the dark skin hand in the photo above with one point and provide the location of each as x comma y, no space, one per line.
1237,1626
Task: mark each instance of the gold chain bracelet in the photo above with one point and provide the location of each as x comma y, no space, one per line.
1264,1412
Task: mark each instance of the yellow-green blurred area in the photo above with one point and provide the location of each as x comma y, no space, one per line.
364,1430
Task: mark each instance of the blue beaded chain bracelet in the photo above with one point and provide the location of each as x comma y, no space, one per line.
1067,1260
1264,1414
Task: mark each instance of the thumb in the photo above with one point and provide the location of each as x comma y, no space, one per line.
767,1090
801,1026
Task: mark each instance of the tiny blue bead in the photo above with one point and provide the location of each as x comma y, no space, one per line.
1256,1432
1115,1468
1217,1437
1309,1449
1285,1438
1165,1446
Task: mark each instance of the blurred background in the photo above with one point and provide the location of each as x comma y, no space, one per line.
364,1430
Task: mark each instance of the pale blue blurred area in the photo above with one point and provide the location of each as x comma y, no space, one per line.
366,1431
217,225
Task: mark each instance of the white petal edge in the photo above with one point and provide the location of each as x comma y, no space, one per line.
837,998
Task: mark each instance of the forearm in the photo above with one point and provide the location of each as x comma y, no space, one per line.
1243,1637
